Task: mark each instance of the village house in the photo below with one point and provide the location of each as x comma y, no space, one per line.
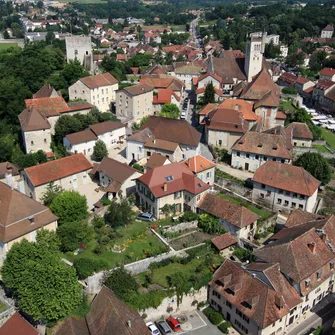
238,220
201,168
288,79
327,73
170,184
254,149
224,243
177,132
98,90
9,174
284,187
162,81
300,134
155,160
116,178
40,116
170,150
134,102
165,96
17,324
68,172
328,31
204,80
320,91
108,315
205,111
21,218
186,71
80,142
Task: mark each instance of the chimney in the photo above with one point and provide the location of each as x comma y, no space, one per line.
279,302
236,107
312,247
188,162
129,324
31,219
165,187
154,141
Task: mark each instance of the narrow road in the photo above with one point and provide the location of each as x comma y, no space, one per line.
240,174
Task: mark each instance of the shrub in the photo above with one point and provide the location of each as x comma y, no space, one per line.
98,222
87,266
289,90
138,167
213,316
189,216
224,327
201,304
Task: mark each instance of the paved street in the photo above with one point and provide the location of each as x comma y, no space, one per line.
240,174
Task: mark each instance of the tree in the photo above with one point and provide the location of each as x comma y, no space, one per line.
100,151
210,224
209,95
119,214
272,51
316,165
65,125
170,111
45,287
50,37
121,282
51,192
69,206
6,150
181,284
71,234
168,210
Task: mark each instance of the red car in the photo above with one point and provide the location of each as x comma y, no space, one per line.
174,324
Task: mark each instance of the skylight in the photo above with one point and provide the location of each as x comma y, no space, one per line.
169,178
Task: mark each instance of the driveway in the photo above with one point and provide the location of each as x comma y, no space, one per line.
204,151
240,174
88,190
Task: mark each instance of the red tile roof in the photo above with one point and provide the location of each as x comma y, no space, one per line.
99,80
300,130
60,168
206,109
81,137
210,74
50,106
156,160
224,241
182,179
226,210
280,115
286,177
105,127
121,56
162,81
138,89
298,217
324,84
302,80
197,164
31,119
17,325
164,96
288,77
245,107
327,71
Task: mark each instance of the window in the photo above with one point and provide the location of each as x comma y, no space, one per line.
103,100
257,156
219,142
280,191
294,204
318,275
45,140
307,283
239,313
287,193
247,155
262,195
169,178
274,159
265,158
283,161
75,52
286,203
177,195
263,186
228,304
301,206
32,142
148,153
295,195
279,201
102,91
216,294
238,154
89,150
208,174
140,188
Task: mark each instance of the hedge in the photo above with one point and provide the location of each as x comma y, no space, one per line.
213,316
87,266
224,327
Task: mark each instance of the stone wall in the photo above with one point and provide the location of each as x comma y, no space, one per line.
182,226
298,151
234,187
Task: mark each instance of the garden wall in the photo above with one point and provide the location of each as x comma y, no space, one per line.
185,305
298,151
182,226
93,283
234,187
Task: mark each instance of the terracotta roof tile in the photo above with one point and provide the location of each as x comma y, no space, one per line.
327,71
79,105
210,74
31,120
236,215
7,167
197,164
73,326
81,137
183,179
156,160
138,89
164,96
141,135
288,78
105,127
245,107
57,169
162,81
161,144
280,115
286,177
298,217
324,84
207,108
17,325
300,130
44,92
224,241
50,106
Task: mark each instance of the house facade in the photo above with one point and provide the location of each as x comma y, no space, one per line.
134,102
301,134
98,90
22,217
284,187
69,172
170,184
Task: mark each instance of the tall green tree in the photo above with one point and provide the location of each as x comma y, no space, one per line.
100,151
119,214
170,111
69,206
209,95
44,287
51,193
316,165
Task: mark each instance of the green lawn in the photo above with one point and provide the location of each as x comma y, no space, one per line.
181,27
329,137
264,214
320,148
137,239
131,76
287,105
208,23
4,46
3,306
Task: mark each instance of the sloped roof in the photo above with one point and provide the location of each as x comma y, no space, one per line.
286,177
104,127
245,107
235,214
162,81
116,170
210,74
327,71
197,163
7,167
99,80
182,179
50,106
15,210
17,325
57,169
138,89
81,137
178,131
224,241
164,96
156,160
31,120
161,144
207,108
44,92
273,145
300,130
298,217
141,135
262,90
73,326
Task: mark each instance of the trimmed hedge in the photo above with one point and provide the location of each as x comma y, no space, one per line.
87,266
213,316
224,327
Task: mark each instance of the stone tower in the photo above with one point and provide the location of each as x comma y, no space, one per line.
254,54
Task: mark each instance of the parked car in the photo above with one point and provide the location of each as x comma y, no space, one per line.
153,329
183,115
173,323
163,327
146,217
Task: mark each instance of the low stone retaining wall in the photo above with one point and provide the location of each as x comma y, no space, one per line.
234,187
182,226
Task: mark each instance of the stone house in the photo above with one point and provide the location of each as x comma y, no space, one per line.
80,48
165,96
300,134
80,142
155,160
178,132
239,221
205,111
40,116
170,150
327,73
320,91
163,82
134,103
170,184
254,149
116,178
68,172
9,174
186,72
224,243
284,187
21,217
201,167
98,90
328,31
